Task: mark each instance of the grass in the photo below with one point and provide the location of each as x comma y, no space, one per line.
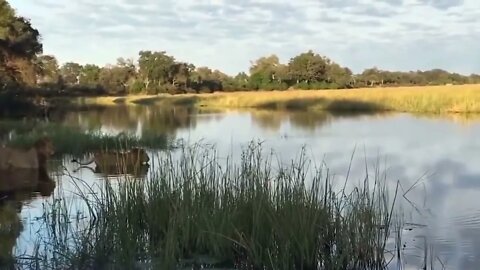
72,140
425,99
198,209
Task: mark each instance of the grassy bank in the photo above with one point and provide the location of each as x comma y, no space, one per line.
428,99
204,211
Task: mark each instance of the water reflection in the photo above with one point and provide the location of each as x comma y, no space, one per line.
172,119
18,187
134,119
22,184
302,120
10,228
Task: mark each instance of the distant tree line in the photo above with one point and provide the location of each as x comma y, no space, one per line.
23,66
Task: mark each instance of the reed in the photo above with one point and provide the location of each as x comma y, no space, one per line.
198,209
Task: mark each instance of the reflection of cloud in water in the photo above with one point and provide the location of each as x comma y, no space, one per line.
445,154
449,206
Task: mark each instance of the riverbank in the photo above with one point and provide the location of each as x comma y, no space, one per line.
425,99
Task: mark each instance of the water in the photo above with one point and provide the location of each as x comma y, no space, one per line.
435,160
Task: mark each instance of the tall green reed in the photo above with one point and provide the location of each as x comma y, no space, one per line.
197,208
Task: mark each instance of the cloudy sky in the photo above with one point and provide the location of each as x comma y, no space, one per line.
228,34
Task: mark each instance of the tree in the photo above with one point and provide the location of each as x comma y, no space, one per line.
203,79
180,74
202,73
241,78
267,73
239,82
21,64
19,45
307,67
155,68
474,78
265,65
117,79
217,75
338,76
371,76
47,69
70,73
89,75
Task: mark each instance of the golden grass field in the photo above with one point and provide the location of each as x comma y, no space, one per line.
427,99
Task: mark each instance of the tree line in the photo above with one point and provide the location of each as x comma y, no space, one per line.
22,66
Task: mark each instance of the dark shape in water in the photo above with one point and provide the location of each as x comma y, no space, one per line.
16,188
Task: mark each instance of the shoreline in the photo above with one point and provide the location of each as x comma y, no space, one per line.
423,99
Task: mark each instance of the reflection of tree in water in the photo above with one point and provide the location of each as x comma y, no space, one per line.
10,228
268,120
303,120
272,120
309,120
17,188
168,119
151,119
119,117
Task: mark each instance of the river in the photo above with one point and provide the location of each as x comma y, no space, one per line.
434,158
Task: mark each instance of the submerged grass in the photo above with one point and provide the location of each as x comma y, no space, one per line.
198,209
421,99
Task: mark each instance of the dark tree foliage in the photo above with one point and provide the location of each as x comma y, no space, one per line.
19,45
70,73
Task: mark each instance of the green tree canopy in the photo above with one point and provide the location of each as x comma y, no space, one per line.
70,72
19,45
118,78
267,73
90,75
308,67
155,68
47,69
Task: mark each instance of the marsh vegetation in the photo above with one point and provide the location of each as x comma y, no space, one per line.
200,210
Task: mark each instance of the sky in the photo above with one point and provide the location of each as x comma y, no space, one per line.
229,34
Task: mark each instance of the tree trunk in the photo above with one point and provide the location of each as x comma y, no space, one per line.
147,83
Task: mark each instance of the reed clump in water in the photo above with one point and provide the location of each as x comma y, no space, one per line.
200,209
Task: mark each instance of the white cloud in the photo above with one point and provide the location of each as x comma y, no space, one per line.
227,34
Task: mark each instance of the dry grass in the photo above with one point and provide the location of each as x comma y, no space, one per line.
431,99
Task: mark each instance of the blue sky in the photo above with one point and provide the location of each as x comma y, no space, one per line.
228,34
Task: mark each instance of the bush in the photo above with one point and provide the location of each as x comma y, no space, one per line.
136,87
302,85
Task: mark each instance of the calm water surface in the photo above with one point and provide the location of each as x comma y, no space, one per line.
435,160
